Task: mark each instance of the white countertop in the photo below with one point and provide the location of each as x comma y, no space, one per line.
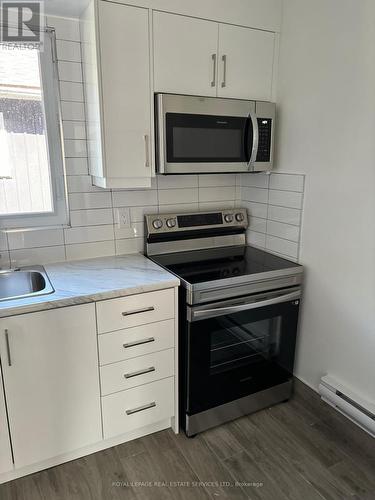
79,282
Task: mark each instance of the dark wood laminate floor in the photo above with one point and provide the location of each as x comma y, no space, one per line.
299,450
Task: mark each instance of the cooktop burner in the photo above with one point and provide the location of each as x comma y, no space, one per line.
200,266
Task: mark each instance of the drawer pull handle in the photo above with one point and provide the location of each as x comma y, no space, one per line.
141,408
139,342
138,311
140,372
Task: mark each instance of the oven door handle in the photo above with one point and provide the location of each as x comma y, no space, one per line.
256,304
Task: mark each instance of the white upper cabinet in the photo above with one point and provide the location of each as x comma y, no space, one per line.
246,59
116,57
185,54
6,463
197,57
50,367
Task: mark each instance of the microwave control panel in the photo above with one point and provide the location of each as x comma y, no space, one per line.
265,139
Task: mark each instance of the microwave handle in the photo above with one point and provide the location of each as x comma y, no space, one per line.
254,149
221,311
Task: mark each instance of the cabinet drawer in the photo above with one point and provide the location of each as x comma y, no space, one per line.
137,371
137,341
135,408
135,310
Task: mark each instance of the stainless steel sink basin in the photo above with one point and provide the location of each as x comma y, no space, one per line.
24,282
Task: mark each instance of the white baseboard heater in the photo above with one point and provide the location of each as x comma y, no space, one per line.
354,407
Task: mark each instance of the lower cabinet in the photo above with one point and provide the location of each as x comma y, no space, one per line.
51,380
6,463
69,387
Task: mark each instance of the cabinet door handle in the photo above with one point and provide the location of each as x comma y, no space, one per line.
224,82
140,372
141,408
138,311
213,82
147,151
138,342
8,347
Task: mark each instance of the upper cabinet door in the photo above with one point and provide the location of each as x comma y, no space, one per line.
6,463
126,91
246,58
50,367
185,55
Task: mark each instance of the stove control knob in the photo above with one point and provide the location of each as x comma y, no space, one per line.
171,223
240,217
228,218
157,223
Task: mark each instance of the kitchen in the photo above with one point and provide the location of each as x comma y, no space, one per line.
138,142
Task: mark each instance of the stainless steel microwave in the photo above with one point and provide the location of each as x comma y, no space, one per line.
197,135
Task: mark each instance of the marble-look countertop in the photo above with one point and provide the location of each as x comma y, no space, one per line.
83,281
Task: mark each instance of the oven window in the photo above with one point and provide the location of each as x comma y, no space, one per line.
234,343
206,138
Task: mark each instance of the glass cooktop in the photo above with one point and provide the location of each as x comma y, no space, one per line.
200,266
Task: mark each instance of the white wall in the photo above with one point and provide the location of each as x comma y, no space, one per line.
327,131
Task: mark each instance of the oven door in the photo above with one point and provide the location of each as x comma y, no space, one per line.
206,135
238,347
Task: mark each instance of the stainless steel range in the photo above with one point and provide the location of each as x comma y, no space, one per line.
238,315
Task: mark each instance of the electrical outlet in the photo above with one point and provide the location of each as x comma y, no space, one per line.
123,217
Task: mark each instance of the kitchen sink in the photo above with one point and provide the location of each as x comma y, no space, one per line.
24,282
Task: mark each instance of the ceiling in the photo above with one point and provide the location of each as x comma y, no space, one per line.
67,8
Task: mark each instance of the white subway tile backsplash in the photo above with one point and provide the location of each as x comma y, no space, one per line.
256,239
258,225
76,166
3,241
255,209
217,180
281,246
287,182
70,72
75,148
177,181
179,207
71,91
286,199
282,230
136,230
68,51
90,250
175,196
80,201
96,217
286,215
42,255
131,245
137,214
254,194
255,180
74,130
81,184
74,111
216,205
217,193
135,198
88,234
4,260
35,239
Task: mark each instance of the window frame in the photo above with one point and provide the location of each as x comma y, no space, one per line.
55,147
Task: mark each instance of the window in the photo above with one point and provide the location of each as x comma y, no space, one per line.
32,181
